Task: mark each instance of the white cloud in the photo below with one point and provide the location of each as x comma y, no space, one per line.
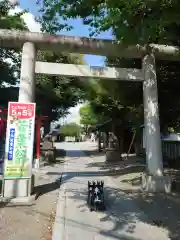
28,18
31,23
14,1
74,114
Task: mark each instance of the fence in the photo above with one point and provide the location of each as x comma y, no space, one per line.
171,150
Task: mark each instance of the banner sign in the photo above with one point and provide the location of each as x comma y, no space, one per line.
19,140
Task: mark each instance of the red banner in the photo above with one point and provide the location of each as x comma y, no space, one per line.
21,110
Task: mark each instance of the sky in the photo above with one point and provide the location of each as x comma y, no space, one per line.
78,30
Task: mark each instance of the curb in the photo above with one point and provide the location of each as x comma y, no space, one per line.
20,201
58,232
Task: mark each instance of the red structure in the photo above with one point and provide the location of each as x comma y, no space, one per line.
39,123
3,124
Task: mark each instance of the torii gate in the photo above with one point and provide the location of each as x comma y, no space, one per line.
154,179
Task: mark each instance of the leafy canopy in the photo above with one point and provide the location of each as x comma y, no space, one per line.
70,130
135,21
87,116
56,94
9,58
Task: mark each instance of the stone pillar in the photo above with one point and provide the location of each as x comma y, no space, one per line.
22,187
107,139
27,79
153,180
99,141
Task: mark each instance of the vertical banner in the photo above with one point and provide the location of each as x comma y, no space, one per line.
19,140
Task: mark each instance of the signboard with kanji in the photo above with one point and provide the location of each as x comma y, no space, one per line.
19,140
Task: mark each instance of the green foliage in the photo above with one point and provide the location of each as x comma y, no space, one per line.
8,21
134,21
130,94
56,94
70,130
87,116
9,69
105,102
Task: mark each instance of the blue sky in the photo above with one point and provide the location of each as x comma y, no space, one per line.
79,30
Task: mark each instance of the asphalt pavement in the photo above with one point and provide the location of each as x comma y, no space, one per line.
123,219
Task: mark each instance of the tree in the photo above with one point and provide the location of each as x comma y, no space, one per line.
70,130
168,91
132,22
56,94
87,117
104,100
9,58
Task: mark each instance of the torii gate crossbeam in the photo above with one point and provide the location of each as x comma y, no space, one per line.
62,43
91,72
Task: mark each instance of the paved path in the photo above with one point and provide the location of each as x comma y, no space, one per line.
33,222
122,219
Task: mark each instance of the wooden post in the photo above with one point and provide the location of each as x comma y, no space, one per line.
38,141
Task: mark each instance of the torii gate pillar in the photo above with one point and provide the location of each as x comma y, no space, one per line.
22,187
27,80
153,180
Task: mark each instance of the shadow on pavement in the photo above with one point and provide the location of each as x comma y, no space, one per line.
60,153
94,153
46,188
57,161
75,153
118,169
120,213
120,206
163,210
83,153
103,233
69,175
